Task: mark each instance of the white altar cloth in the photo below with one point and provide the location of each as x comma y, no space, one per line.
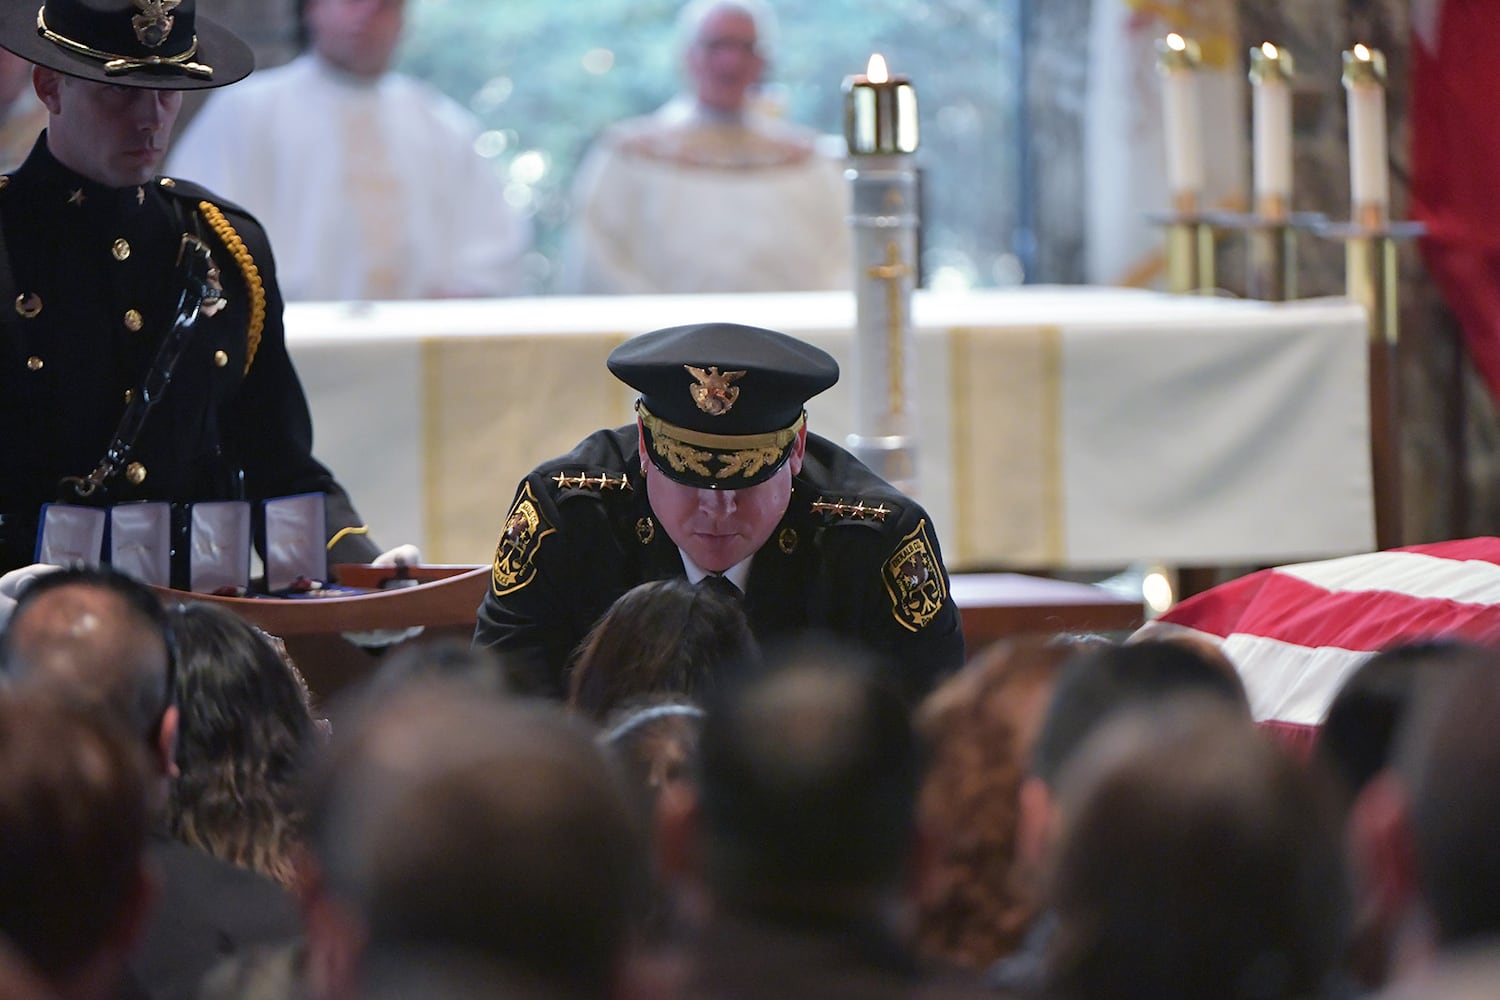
1058,427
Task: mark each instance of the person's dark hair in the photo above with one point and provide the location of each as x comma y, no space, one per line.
1099,682
477,825
1449,759
1197,858
978,727
807,782
245,725
114,675
73,823
1359,734
666,637
444,658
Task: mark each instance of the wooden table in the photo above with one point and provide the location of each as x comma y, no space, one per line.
445,599
998,605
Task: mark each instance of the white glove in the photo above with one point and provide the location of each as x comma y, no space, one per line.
15,582
401,555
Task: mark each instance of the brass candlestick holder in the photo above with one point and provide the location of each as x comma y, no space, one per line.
1190,246
1372,278
1271,246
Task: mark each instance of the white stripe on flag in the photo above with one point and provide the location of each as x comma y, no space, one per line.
1411,573
1287,682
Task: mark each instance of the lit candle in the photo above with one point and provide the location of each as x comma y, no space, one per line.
1369,173
880,111
1271,124
1178,65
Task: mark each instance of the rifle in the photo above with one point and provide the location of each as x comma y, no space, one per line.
201,292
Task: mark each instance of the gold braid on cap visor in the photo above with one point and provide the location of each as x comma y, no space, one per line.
743,455
116,63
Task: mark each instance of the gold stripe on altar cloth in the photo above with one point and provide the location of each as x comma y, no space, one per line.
1007,445
493,416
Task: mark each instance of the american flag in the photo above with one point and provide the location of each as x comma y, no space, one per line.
1296,632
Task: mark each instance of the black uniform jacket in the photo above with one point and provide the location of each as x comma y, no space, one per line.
91,295
851,556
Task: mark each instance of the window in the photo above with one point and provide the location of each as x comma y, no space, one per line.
543,77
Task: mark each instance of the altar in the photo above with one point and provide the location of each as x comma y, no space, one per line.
1059,428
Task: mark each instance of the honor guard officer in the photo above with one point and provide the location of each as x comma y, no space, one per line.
89,243
719,476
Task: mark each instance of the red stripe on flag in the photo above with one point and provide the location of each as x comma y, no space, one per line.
1294,611
1218,610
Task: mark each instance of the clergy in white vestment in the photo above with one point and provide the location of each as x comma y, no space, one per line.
708,194
22,114
366,180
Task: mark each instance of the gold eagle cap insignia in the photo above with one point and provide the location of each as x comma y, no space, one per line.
154,22
714,393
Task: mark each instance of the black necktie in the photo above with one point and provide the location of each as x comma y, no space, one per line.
722,584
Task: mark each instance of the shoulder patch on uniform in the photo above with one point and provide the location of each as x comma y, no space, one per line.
914,580
852,511
520,540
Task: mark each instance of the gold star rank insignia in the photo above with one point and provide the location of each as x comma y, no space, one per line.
520,540
914,580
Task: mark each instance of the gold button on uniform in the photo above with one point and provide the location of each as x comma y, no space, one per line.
34,363
129,396
133,321
136,473
121,249
29,304
220,359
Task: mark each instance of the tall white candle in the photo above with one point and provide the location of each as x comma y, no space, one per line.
1369,171
1271,126
1181,116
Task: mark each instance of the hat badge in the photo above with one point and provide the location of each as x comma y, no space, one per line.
154,22
714,393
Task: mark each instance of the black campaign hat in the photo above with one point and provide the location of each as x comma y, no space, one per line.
151,44
721,403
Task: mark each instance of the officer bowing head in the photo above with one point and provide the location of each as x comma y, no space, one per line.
112,72
719,480
722,431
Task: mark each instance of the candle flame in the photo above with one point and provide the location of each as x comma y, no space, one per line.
1270,50
1361,52
1176,42
876,71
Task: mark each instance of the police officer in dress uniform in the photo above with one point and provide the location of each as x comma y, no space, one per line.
89,242
719,476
